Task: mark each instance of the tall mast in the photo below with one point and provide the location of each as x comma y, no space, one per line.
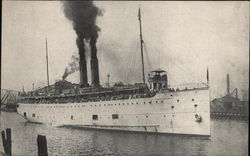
47,63
139,17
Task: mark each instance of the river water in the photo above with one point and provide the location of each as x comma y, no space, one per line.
228,137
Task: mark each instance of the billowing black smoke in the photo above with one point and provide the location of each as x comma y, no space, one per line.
83,16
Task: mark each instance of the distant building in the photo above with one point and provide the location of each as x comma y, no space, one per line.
228,103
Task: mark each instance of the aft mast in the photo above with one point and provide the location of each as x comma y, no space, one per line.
47,64
141,40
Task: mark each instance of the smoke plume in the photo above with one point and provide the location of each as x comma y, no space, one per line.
72,67
83,15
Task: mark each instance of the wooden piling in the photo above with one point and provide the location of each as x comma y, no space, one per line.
42,145
7,141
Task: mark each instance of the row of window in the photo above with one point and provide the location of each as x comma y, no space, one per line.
103,104
150,102
94,117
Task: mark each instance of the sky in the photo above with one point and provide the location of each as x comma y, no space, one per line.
183,38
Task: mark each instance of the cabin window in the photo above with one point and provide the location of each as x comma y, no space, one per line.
149,102
178,100
146,116
33,115
72,117
156,101
24,114
192,99
195,105
95,117
172,106
115,116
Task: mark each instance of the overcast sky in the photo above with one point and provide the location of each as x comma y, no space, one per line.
182,38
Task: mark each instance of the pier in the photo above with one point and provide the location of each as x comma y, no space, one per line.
9,100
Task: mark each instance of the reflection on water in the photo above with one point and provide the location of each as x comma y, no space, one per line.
228,137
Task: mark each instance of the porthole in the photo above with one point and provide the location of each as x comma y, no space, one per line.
178,100
192,99
149,102
156,101
195,105
146,116
172,106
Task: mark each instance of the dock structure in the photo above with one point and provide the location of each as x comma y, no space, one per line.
230,106
9,99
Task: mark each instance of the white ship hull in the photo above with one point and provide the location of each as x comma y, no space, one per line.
170,112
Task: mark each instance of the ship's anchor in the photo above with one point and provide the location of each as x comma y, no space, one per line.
198,118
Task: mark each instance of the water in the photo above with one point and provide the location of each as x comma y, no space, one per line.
228,137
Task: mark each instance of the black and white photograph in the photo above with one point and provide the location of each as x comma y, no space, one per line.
127,78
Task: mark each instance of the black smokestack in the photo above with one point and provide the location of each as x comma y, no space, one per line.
94,63
82,62
83,16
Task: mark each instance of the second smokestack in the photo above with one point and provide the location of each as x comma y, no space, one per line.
94,63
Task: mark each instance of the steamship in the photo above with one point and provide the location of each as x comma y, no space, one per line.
142,107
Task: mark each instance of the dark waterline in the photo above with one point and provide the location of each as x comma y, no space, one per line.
228,137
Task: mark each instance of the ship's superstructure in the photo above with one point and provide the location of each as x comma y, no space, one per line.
152,107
